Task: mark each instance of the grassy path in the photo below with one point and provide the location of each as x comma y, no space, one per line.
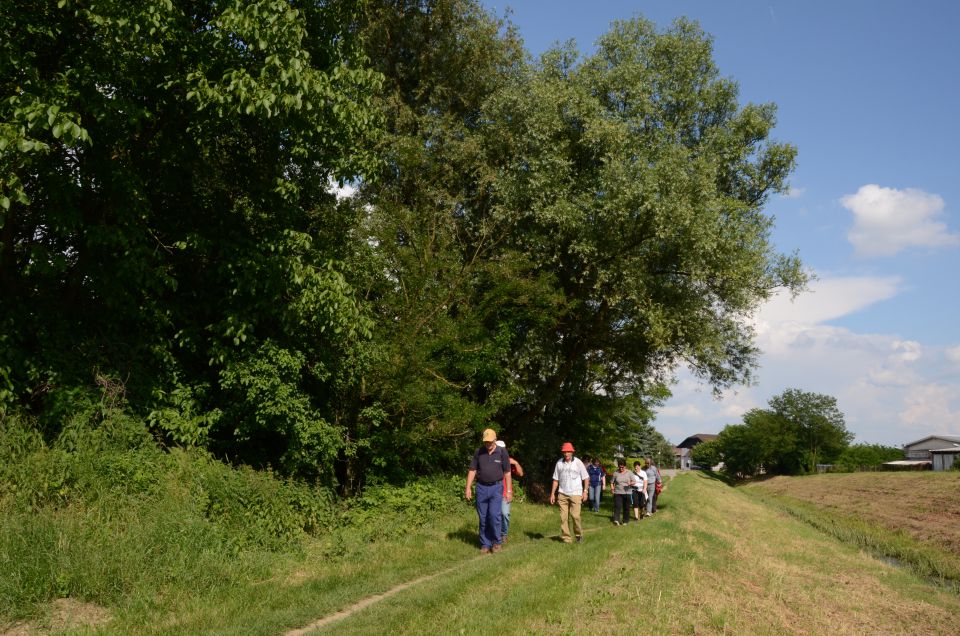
714,560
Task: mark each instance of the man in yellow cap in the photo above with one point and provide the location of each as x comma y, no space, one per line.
570,477
490,467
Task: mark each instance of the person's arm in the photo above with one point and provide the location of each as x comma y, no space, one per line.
586,488
508,480
517,465
468,493
553,492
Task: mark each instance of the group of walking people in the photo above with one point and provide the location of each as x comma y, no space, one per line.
637,490
573,484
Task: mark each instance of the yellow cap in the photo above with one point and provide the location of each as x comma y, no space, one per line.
489,435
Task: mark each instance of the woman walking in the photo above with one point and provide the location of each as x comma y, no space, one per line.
639,491
621,484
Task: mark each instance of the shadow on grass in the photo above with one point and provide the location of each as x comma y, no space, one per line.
466,535
722,477
534,535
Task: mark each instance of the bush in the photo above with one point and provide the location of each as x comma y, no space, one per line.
102,513
386,510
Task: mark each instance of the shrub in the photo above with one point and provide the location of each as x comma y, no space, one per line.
385,510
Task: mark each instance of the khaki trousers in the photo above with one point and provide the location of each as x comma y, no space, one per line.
569,508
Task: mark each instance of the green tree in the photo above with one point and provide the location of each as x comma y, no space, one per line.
741,449
821,433
857,456
446,307
798,431
707,454
558,237
634,184
164,176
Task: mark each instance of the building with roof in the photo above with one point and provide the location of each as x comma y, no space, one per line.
938,452
681,452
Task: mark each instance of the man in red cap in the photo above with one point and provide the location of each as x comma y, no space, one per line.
570,477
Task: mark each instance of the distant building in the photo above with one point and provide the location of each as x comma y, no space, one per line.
682,451
933,451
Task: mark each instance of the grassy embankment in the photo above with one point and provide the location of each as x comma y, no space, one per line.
146,542
714,560
911,517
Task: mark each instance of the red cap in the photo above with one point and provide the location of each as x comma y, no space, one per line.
567,446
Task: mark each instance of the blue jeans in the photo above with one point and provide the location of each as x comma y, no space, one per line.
489,501
505,515
594,494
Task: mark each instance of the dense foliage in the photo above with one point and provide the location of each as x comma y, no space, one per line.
166,216
101,513
800,430
532,244
858,456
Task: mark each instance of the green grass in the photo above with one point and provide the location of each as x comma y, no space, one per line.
924,559
173,551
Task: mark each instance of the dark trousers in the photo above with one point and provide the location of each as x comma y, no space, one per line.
621,507
489,509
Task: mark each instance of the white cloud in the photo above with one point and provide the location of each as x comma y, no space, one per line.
890,389
953,355
689,411
933,408
887,221
827,299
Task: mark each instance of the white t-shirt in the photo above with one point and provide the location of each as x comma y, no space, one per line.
641,477
570,476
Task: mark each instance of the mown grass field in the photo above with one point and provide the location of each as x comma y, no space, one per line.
714,560
924,505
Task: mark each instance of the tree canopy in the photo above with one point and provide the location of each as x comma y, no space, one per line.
533,244
800,430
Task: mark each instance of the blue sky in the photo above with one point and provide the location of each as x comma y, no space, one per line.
869,93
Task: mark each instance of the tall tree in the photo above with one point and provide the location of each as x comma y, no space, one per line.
447,301
821,432
635,183
798,431
558,237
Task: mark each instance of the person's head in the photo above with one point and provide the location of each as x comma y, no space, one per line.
647,462
636,465
567,450
595,461
621,465
489,438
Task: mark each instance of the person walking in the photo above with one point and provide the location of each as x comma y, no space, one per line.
570,478
653,476
639,490
598,481
516,470
621,483
490,467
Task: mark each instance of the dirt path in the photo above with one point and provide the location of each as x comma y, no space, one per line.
368,601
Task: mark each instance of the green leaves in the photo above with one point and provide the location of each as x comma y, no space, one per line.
798,431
